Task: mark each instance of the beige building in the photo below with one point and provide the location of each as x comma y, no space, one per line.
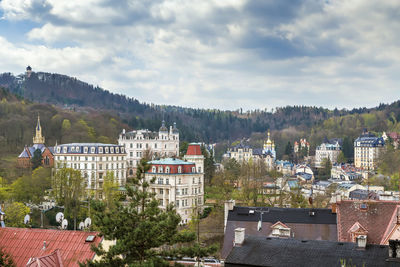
94,160
179,182
163,143
367,149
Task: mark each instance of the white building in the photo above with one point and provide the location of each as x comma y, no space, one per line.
94,160
367,149
179,182
162,144
327,150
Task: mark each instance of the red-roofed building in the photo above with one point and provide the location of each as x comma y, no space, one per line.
194,150
52,260
377,220
27,246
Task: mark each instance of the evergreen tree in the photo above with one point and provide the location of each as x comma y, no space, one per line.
37,159
143,232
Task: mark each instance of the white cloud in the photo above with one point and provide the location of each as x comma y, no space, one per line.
217,54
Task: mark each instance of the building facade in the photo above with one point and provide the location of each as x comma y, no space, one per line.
163,143
94,160
179,182
24,159
327,150
367,149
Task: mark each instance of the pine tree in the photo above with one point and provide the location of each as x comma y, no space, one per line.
144,233
37,159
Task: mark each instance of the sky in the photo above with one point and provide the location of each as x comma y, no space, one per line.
224,54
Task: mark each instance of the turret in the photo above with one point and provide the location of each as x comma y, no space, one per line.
194,154
38,138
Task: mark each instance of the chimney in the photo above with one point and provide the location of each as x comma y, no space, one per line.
228,205
361,241
239,237
394,248
44,245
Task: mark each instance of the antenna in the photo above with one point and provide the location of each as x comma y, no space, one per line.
27,219
81,226
64,224
59,217
88,222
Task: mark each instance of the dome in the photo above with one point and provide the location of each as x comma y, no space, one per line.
163,128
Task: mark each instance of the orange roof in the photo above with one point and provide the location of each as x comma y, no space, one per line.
51,260
194,150
24,243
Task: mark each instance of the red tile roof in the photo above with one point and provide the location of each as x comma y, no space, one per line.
378,219
52,260
194,150
23,244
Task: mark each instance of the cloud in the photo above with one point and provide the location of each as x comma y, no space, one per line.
216,54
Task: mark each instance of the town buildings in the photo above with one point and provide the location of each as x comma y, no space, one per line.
160,144
392,137
94,160
302,145
24,159
242,152
367,149
330,149
179,182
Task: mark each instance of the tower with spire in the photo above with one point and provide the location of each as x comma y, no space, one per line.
38,138
269,147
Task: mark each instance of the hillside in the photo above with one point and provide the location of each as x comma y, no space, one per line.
194,124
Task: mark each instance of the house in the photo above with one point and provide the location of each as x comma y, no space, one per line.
394,138
313,224
163,143
31,247
344,189
285,167
367,149
378,220
179,182
345,172
262,251
329,149
94,160
24,159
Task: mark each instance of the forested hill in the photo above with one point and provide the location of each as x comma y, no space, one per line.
194,124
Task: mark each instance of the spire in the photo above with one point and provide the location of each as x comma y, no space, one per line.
38,138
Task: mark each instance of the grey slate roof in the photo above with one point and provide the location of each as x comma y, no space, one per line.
262,251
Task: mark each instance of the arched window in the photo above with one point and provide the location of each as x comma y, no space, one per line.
154,169
167,169
160,169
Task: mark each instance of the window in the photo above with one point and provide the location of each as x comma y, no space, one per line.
117,150
72,149
100,166
85,166
85,149
177,203
179,181
58,149
160,180
131,154
65,149
111,149
131,145
193,169
106,149
167,169
155,145
77,149
161,191
160,169
92,166
167,181
199,169
100,150
92,149
154,170
194,180
46,161
179,169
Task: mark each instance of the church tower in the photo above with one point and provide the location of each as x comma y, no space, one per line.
38,138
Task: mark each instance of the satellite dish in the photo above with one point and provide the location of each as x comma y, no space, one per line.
81,225
88,222
27,219
59,217
64,224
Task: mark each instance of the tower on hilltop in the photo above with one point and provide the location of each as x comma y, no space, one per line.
28,71
38,138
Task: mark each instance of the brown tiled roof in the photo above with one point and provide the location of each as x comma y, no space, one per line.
378,219
52,260
23,244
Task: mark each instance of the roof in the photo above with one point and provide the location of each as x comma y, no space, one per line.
263,251
170,161
362,194
378,218
24,243
29,151
79,148
52,260
285,215
194,150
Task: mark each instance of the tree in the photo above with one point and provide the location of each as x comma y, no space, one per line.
36,159
143,232
348,149
110,192
5,259
209,167
68,189
15,214
325,172
341,158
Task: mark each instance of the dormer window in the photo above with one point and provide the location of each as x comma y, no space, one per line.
65,149
77,149
154,169
85,149
280,229
72,149
160,169
100,150
167,170
179,169
122,150
111,149
58,149
117,150
106,149
92,149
